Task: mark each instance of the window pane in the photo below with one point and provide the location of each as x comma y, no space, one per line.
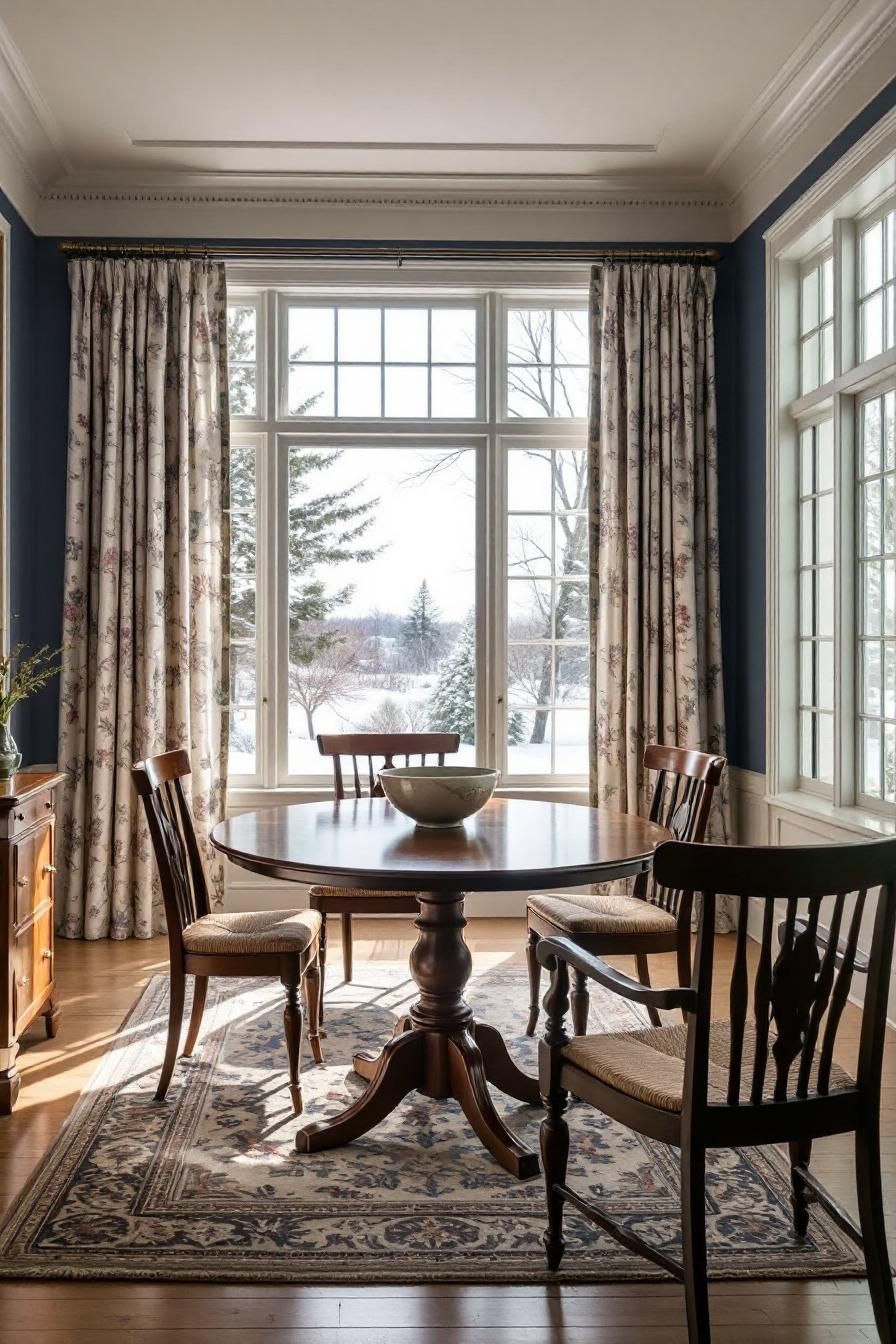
571,614
890,235
871,437
889,762
825,614
809,364
359,392
807,602
529,483
529,672
571,675
827,353
890,325
241,759
529,545
807,685
890,431
242,396
454,336
571,741
889,708
241,321
824,545
407,335
825,730
825,454
807,745
407,392
807,532
571,387
453,393
809,315
310,390
872,311
827,282
871,758
529,742
872,254
243,652
871,515
242,543
529,614
381,628
871,677
825,674
528,392
310,334
872,579
529,336
360,336
807,462
571,544
571,337
242,609
242,673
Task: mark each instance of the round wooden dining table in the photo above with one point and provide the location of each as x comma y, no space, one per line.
439,1048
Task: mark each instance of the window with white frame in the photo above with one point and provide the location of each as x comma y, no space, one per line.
833,432
408,527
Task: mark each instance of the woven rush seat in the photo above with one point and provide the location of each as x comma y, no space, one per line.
648,1064
253,931
602,914
378,893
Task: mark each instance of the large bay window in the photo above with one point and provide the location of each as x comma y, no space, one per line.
408,527
832,499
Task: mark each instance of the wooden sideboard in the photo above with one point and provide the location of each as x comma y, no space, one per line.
27,890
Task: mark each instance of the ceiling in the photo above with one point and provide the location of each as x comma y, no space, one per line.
557,105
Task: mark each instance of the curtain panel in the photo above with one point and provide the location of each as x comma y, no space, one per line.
654,532
146,585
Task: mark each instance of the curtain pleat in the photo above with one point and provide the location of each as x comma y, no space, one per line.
146,576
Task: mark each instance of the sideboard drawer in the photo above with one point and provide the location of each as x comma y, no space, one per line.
32,960
33,871
25,814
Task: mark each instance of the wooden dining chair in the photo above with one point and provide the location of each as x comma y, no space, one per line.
282,943
372,750
766,1071
649,920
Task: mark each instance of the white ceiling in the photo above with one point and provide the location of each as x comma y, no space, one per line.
585,97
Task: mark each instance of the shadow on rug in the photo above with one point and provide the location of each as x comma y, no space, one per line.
207,1185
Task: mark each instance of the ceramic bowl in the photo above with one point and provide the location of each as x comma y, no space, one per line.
438,795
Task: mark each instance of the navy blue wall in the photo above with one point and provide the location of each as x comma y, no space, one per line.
742,467
24,474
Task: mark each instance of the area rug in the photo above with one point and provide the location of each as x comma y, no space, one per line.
207,1185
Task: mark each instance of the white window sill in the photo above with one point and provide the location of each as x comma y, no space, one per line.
860,820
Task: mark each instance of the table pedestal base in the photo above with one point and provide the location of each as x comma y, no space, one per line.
438,1050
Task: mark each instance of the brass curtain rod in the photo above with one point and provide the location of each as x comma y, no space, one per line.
386,253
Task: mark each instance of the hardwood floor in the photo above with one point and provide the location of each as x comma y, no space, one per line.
98,983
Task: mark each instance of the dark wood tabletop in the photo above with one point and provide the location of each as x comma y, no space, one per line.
512,844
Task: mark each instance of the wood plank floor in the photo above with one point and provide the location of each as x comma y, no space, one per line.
100,981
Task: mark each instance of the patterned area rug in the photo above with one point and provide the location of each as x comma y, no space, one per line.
207,1185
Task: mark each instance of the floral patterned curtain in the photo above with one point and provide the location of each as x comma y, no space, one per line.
656,643
146,589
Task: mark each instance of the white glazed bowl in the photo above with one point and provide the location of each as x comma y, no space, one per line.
438,795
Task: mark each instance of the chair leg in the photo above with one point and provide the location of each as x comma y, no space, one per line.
693,1242
292,1030
874,1231
800,1155
554,1159
644,976
322,959
175,1022
311,982
200,989
347,948
578,1004
534,966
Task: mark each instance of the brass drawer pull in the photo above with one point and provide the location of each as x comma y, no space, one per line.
49,868
23,980
46,954
19,816
49,806
22,882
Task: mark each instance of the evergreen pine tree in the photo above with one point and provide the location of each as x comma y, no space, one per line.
452,708
421,635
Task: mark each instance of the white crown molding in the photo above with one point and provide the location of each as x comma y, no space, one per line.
846,60
31,152
297,212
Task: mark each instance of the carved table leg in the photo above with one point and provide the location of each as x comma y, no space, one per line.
438,1051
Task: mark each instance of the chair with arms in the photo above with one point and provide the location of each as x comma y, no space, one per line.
766,1072
390,748
282,943
649,920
